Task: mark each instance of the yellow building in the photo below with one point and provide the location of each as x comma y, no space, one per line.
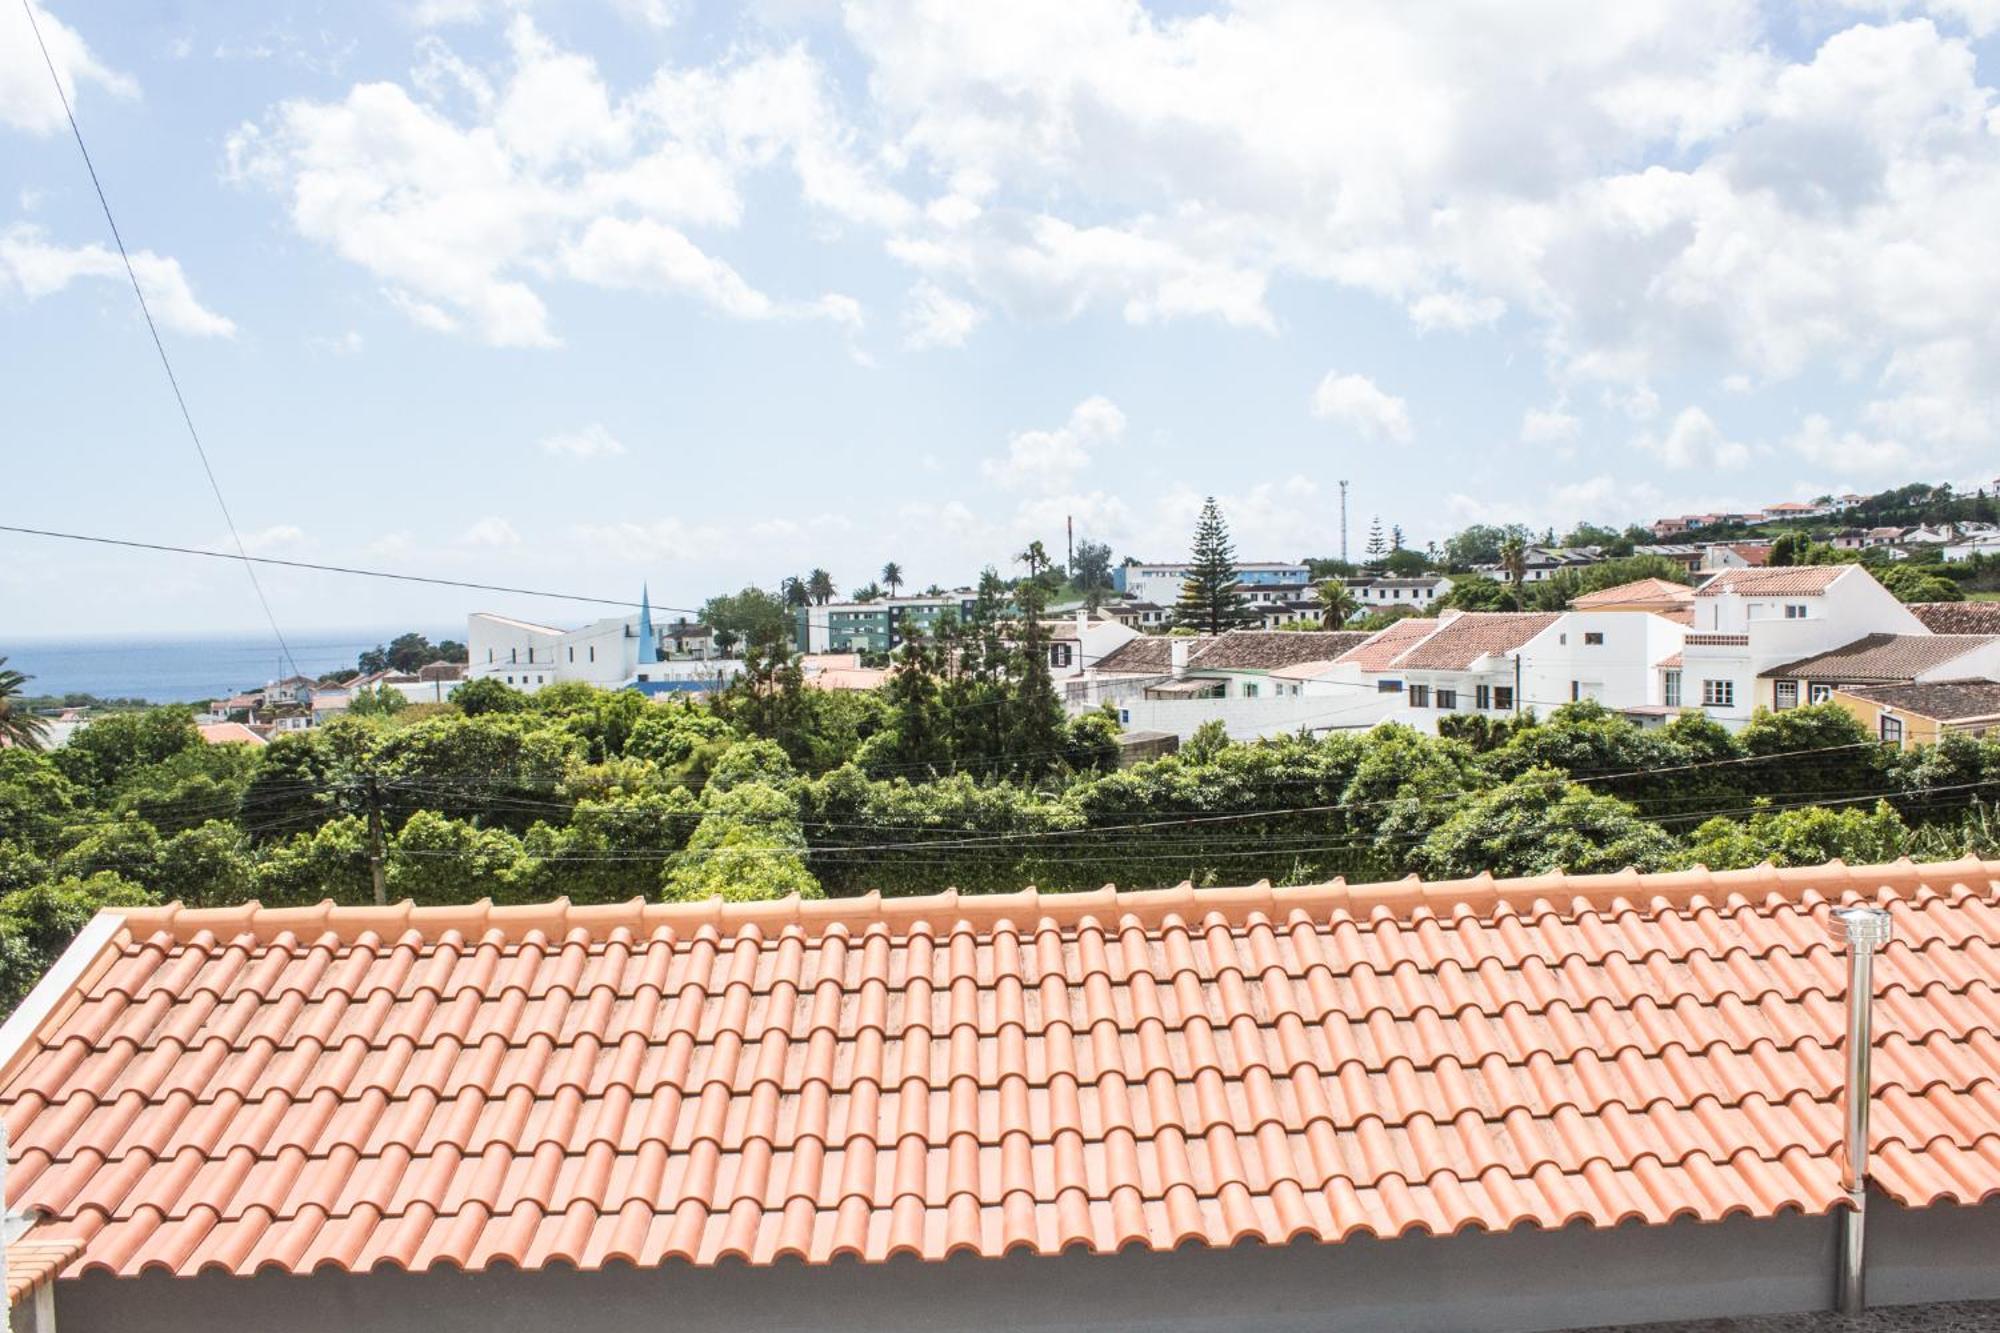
1921,712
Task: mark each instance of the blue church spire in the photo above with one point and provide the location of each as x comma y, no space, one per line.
649,643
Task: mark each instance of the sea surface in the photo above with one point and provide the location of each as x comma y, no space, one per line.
182,670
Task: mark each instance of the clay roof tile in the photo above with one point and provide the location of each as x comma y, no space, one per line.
637,1082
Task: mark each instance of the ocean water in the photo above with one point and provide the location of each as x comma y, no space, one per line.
181,670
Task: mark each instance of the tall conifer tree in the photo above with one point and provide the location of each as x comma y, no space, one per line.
1210,601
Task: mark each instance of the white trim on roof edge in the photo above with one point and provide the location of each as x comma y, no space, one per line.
28,1018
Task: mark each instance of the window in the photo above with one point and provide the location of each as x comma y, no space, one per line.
1503,698
510,680
1249,689
593,652
1593,639
1718,694
1819,694
1785,694
1575,690
1059,654
513,654
1795,610
1482,696
572,652
489,654
1388,687
1447,698
1420,696
1892,729
1124,717
1670,688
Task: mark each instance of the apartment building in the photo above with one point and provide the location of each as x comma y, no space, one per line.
1161,583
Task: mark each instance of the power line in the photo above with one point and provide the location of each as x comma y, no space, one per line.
331,569
159,345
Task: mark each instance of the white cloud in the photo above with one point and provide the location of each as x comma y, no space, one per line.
1356,402
491,531
1848,452
1550,425
36,267
27,99
468,195
1455,312
1695,441
593,441
936,318
1049,460
275,538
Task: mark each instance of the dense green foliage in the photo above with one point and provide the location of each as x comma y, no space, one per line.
1209,599
962,772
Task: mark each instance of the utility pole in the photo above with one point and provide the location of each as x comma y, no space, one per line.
373,791
1343,522
1069,561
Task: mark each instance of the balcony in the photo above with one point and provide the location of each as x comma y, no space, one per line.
1718,641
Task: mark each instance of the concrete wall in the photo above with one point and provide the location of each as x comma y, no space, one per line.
1248,719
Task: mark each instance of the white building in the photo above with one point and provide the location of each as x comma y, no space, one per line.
1612,657
614,653
1385,593
1748,621
1161,583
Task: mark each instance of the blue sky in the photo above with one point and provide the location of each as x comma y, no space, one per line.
575,295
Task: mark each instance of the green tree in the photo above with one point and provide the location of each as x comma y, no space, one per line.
1540,822
1034,726
793,590
1377,549
1336,603
1090,573
37,924
1804,837
751,616
748,846
919,737
1787,549
18,726
1514,563
486,694
380,701
892,577
409,651
110,747
1035,557
819,584
1920,583
1210,601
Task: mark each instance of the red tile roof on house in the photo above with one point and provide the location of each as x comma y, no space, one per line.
228,733
1957,617
241,1089
1639,591
1464,639
1385,645
1777,581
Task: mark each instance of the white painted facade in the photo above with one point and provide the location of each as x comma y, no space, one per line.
1258,716
530,657
1386,593
1736,637
1161,583
1613,657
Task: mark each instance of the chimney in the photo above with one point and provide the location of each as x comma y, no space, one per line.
1177,649
1863,930
1082,624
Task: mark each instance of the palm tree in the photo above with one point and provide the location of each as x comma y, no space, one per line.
892,575
795,591
1336,604
18,727
1514,561
867,592
820,584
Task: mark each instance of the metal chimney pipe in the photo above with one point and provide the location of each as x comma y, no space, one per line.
1863,930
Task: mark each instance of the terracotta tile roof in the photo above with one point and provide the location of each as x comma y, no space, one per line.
1304,670
1883,658
35,1258
1149,654
1671,662
228,733
1464,639
1781,581
1256,649
1639,590
1943,700
244,1088
1957,617
1385,645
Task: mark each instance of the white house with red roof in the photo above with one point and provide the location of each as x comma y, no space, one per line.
1747,621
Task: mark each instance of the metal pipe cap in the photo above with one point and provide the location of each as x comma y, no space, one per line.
1859,927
